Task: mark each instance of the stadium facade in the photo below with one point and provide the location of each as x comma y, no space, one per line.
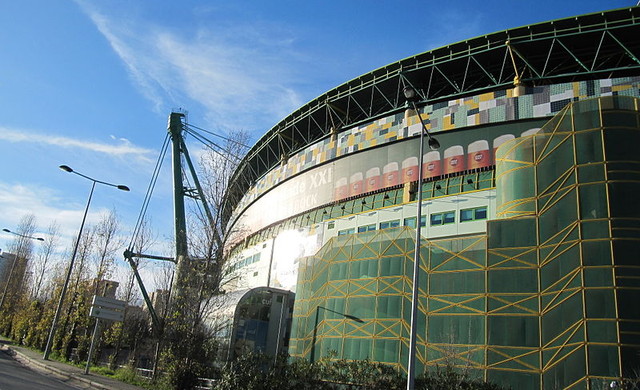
530,225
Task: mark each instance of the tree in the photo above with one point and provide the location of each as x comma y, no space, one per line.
106,243
133,328
15,273
43,260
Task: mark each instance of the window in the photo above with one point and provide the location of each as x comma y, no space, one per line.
443,218
473,214
390,224
345,232
466,215
367,228
411,222
331,225
449,217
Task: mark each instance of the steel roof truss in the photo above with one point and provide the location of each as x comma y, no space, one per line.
454,85
583,66
489,75
626,50
528,65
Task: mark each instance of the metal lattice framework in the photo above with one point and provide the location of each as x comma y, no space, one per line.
599,45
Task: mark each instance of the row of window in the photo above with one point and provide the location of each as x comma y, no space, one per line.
436,219
247,261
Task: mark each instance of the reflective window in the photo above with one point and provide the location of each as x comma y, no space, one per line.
390,224
473,214
345,232
367,228
449,217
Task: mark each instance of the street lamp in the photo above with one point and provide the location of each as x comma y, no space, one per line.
13,264
315,328
52,331
411,96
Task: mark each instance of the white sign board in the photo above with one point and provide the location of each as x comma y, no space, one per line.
106,314
107,308
108,303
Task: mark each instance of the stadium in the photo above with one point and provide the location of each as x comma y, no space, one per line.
529,273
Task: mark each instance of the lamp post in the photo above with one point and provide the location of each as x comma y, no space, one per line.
52,331
411,96
13,264
315,328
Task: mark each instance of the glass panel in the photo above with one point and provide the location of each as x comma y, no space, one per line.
586,115
603,360
512,233
595,229
555,164
513,281
513,331
410,222
596,253
436,219
600,304
590,173
589,147
620,195
621,145
558,217
619,119
593,201
481,213
466,215
602,332
449,217
598,277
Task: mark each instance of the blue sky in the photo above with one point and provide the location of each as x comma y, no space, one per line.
90,84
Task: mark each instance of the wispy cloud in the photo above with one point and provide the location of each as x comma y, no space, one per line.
123,147
241,78
46,204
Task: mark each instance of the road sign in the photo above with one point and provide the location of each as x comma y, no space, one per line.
107,308
106,314
108,303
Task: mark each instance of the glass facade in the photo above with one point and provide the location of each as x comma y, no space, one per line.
547,298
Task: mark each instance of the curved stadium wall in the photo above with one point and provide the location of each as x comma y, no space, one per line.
530,229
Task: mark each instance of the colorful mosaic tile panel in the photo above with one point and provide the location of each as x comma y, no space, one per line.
493,107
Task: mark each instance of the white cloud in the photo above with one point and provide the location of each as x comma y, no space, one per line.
18,200
242,79
124,148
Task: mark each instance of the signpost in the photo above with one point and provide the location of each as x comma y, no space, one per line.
103,309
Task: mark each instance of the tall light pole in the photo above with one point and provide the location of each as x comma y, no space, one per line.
52,331
411,96
13,264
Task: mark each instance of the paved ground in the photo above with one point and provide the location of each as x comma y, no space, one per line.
15,376
60,374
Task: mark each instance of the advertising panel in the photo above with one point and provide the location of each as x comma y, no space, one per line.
378,168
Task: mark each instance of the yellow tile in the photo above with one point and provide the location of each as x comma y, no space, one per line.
487,96
618,88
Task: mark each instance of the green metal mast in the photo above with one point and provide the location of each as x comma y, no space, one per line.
176,126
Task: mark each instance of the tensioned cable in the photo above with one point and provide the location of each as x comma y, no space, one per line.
219,150
218,135
152,184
